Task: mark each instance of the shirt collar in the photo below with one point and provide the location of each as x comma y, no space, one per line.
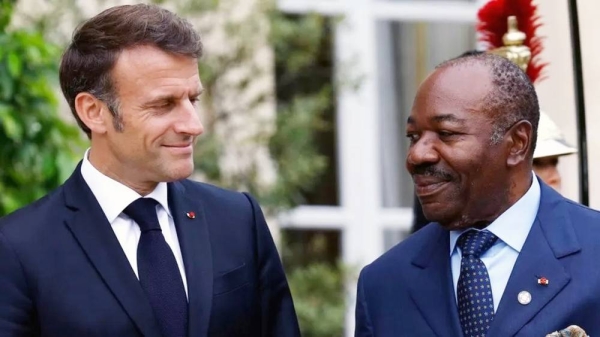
512,226
113,196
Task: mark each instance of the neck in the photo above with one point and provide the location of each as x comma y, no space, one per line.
520,185
517,187
109,166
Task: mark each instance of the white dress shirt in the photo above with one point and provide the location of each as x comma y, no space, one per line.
114,197
511,228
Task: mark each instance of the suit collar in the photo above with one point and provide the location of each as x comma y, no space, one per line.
194,240
114,196
91,229
556,223
433,276
552,238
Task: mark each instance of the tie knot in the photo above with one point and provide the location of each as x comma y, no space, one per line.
475,243
143,212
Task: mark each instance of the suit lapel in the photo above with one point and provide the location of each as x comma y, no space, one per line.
551,238
193,235
90,228
432,288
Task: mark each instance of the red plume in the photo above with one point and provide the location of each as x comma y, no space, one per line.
493,25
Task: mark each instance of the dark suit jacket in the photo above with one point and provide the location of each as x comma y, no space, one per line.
409,290
63,272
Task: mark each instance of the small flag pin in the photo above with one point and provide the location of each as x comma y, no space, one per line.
543,281
191,215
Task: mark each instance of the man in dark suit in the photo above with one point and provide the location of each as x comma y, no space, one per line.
128,246
506,254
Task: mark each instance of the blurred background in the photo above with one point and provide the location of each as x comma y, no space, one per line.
305,107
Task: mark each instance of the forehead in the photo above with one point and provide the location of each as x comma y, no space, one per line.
459,90
145,70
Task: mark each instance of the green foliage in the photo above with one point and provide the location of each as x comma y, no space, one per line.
317,280
36,145
294,148
305,89
319,299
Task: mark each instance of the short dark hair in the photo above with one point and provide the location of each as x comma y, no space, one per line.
97,43
514,98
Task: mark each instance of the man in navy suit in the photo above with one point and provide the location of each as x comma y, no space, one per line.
505,255
128,246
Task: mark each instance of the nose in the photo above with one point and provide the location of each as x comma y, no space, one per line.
422,152
189,122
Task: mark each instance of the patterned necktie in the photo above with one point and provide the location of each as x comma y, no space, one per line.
157,268
475,301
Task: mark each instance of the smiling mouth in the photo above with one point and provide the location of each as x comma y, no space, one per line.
180,149
179,145
429,189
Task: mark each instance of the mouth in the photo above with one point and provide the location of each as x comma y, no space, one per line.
184,148
426,186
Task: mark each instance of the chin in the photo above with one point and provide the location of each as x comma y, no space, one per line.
179,172
440,213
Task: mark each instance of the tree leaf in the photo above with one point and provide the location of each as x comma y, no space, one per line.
15,66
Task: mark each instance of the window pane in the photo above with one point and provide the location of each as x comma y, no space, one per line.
411,50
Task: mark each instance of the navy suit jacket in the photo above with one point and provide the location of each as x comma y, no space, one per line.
63,273
409,291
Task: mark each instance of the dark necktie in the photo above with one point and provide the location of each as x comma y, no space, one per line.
158,272
475,301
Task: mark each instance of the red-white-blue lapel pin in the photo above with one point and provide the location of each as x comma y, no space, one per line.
543,281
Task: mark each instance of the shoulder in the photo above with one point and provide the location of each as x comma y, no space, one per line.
585,221
33,219
212,193
554,208
401,255
576,209
217,198
554,204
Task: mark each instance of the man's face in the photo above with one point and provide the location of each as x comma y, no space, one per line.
547,169
157,93
459,176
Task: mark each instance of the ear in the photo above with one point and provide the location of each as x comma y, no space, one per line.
90,110
519,139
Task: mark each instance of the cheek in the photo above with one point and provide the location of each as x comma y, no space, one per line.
155,133
482,172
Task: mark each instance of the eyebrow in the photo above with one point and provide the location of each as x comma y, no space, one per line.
439,119
167,98
448,118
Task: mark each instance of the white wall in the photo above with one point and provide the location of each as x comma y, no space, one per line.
556,93
590,27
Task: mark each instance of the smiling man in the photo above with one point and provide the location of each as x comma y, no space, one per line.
505,255
128,246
